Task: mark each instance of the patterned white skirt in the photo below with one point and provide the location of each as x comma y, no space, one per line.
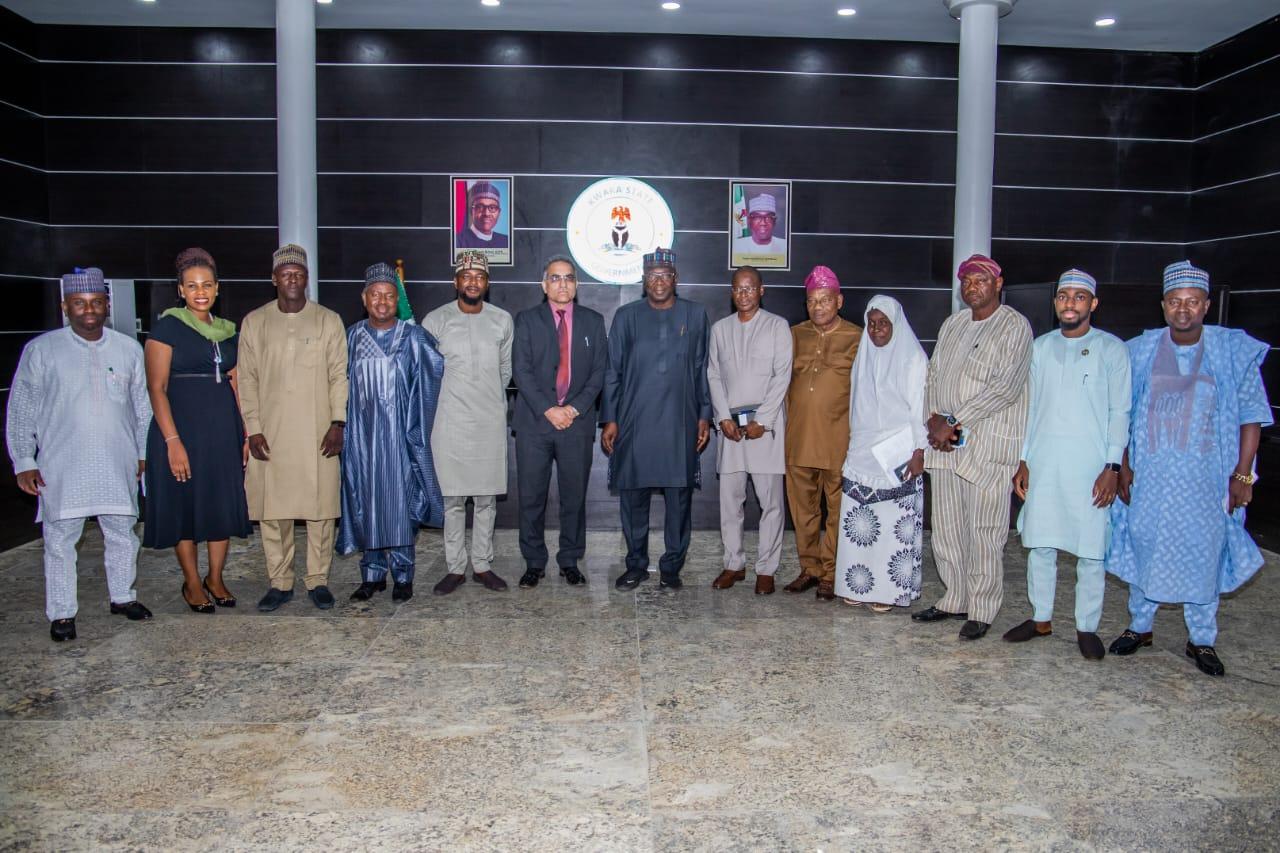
878,558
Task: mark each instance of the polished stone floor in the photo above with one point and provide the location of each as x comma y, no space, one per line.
587,719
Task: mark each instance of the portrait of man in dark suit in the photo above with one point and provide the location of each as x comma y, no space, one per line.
482,218
558,360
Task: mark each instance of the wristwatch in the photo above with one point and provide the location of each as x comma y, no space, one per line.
342,424
1247,479
1113,466
951,420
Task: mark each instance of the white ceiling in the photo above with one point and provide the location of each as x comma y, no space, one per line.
1158,25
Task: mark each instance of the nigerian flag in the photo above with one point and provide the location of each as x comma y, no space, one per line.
740,210
404,311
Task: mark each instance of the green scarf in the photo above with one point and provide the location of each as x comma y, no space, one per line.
217,331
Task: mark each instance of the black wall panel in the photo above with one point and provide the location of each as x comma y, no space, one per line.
1098,159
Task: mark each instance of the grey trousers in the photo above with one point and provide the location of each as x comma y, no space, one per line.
733,497
120,554
970,527
455,533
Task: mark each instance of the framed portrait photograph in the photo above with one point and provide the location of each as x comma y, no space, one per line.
759,225
482,218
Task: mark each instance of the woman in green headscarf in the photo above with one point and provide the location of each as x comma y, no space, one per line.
194,482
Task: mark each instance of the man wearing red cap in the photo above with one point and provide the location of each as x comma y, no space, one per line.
823,348
976,400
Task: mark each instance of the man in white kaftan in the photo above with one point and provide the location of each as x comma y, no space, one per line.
77,435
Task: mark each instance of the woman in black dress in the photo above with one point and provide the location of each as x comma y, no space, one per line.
196,446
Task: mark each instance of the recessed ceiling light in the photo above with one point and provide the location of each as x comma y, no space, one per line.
490,2
324,2
846,12
1104,22
670,5
148,1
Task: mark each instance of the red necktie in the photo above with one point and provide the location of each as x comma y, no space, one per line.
562,372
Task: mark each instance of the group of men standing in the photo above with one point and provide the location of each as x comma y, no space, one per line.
392,426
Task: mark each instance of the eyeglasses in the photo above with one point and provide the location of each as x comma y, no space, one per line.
567,278
486,208
659,276
745,288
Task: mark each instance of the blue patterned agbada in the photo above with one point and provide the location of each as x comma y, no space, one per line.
1175,539
389,485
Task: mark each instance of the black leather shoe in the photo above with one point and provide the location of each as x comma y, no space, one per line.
62,629
229,601
1129,642
1029,630
365,591
133,610
1205,657
1090,646
321,597
274,598
973,630
402,591
530,578
205,607
448,584
571,575
670,582
631,578
933,614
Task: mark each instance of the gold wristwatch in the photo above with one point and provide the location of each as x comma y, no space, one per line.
1247,479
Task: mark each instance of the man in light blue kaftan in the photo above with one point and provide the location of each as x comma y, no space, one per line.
389,486
1077,429
1198,411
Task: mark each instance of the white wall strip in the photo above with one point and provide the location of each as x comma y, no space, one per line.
1231,74
21,109
22,165
1263,290
1233,237
38,277
1233,183
1235,127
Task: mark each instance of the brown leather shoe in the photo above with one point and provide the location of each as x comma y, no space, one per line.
802,583
726,579
490,580
1028,630
448,584
764,584
826,591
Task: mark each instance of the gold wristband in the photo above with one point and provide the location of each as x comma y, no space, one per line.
1247,479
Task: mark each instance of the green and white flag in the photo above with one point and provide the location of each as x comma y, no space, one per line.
740,210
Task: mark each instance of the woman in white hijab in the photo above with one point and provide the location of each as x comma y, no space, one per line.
878,559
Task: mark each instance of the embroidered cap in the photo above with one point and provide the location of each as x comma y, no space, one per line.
289,253
978,263
1185,274
471,261
821,278
660,257
483,189
1078,278
84,281
379,272
763,203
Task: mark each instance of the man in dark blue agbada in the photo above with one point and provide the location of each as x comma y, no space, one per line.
389,486
656,410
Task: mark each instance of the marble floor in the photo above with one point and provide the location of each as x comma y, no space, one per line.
588,719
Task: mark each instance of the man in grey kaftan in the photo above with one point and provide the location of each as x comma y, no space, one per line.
469,438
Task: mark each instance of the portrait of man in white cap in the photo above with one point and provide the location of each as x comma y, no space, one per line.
759,225
481,217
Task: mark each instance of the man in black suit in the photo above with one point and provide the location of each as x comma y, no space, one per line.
558,359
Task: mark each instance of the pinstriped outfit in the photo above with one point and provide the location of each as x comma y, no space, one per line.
978,373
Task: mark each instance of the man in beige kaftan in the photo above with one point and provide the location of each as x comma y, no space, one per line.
469,437
293,395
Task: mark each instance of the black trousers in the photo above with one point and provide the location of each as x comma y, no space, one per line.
571,452
676,527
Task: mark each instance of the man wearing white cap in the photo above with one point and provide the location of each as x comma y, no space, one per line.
77,435
1198,411
762,219
1077,429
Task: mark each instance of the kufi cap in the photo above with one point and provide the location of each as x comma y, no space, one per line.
1185,274
483,189
660,257
763,203
821,278
1078,278
978,263
84,281
289,253
471,261
379,272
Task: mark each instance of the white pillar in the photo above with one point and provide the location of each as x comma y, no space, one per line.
296,130
975,128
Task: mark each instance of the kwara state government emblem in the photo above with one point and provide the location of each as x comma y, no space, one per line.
613,224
